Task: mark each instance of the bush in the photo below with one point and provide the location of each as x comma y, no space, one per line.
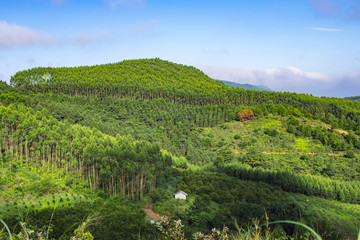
350,154
221,143
304,156
237,136
271,132
246,115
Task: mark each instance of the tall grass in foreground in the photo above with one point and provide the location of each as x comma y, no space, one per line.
7,229
300,224
173,230
27,234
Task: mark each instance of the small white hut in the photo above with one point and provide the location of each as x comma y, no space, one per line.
180,195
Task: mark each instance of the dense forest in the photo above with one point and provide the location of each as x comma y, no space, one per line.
85,149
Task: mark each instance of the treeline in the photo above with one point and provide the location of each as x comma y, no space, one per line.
117,165
298,183
155,78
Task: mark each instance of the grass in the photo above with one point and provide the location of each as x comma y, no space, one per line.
174,229
7,229
300,224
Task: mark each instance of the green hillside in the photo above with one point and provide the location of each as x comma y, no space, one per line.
92,146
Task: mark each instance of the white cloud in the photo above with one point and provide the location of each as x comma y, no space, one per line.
292,79
115,3
12,35
326,29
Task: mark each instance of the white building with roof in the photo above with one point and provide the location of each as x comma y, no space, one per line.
180,195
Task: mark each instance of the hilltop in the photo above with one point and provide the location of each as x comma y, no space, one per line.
129,134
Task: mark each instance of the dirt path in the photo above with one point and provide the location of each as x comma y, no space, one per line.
148,210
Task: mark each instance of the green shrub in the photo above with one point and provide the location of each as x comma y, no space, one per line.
304,156
237,136
350,154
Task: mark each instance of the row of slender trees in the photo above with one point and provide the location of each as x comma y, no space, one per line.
119,165
299,183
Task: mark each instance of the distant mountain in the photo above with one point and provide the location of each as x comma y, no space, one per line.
355,98
245,86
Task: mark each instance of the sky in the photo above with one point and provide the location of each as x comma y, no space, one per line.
304,46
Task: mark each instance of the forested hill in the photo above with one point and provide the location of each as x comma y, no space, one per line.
149,78
130,134
155,78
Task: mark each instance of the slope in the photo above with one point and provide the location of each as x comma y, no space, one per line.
296,137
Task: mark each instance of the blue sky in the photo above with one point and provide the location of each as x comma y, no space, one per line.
305,46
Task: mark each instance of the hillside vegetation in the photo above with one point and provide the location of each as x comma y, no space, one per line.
97,144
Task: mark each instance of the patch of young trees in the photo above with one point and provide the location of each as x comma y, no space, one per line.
330,137
299,183
118,165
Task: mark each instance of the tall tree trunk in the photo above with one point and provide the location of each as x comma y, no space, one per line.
26,152
141,185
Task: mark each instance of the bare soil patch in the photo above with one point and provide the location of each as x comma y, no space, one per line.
148,210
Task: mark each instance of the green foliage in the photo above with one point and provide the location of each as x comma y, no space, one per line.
171,230
155,78
12,97
221,188
332,219
290,182
80,233
84,152
173,126
271,132
350,154
237,136
301,224
285,211
104,129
